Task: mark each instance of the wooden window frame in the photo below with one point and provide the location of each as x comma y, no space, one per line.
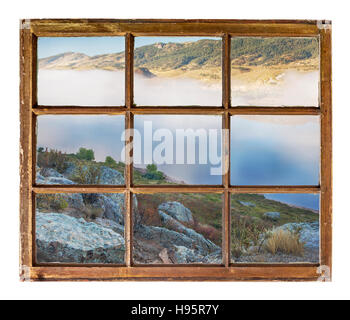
29,110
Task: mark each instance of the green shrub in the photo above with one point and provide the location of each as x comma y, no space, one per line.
152,173
110,162
246,232
85,154
54,202
86,174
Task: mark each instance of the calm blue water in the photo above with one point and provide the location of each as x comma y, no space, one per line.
263,153
68,133
305,200
189,173
275,150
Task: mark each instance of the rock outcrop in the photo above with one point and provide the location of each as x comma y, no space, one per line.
274,216
62,238
309,233
177,210
111,176
81,235
112,206
203,245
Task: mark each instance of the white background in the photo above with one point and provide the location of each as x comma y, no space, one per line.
12,288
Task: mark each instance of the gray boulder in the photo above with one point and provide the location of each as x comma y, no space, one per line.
274,216
39,179
112,205
203,244
116,227
62,238
309,233
247,203
58,180
70,169
74,200
176,210
183,255
111,176
49,172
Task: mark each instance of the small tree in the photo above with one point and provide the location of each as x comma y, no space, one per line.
86,154
110,162
153,174
151,168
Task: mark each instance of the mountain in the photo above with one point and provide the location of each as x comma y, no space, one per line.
199,55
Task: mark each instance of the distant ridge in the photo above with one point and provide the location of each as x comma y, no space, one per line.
198,55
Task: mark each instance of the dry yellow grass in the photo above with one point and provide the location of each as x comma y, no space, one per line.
284,241
244,74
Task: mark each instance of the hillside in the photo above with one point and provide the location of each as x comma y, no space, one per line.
200,59
169,228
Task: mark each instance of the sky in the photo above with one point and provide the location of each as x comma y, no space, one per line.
50,46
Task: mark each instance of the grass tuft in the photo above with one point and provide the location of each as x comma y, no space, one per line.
284,241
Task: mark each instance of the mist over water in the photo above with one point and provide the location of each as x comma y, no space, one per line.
176,92
106,88
292,89
84,88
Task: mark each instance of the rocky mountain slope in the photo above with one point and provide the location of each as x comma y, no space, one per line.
168,228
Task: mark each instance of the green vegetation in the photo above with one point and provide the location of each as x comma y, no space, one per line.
271,51
85,154
262,205
87,173
249,227
110,162
152,173
248,224
52,159
171,56
48,202
207,222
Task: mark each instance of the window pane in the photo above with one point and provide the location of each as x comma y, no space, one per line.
86,71
177,149
82,149
177,71
178,228
275,150
275,71
80,228
275,228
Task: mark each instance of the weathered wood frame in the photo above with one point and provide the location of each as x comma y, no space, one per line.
29,110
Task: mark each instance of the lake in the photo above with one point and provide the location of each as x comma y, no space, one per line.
266,151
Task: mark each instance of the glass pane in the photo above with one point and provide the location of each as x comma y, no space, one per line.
275,150
178,228
275,228
177,149
275,71
178,71
85,71
80,228
81,149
